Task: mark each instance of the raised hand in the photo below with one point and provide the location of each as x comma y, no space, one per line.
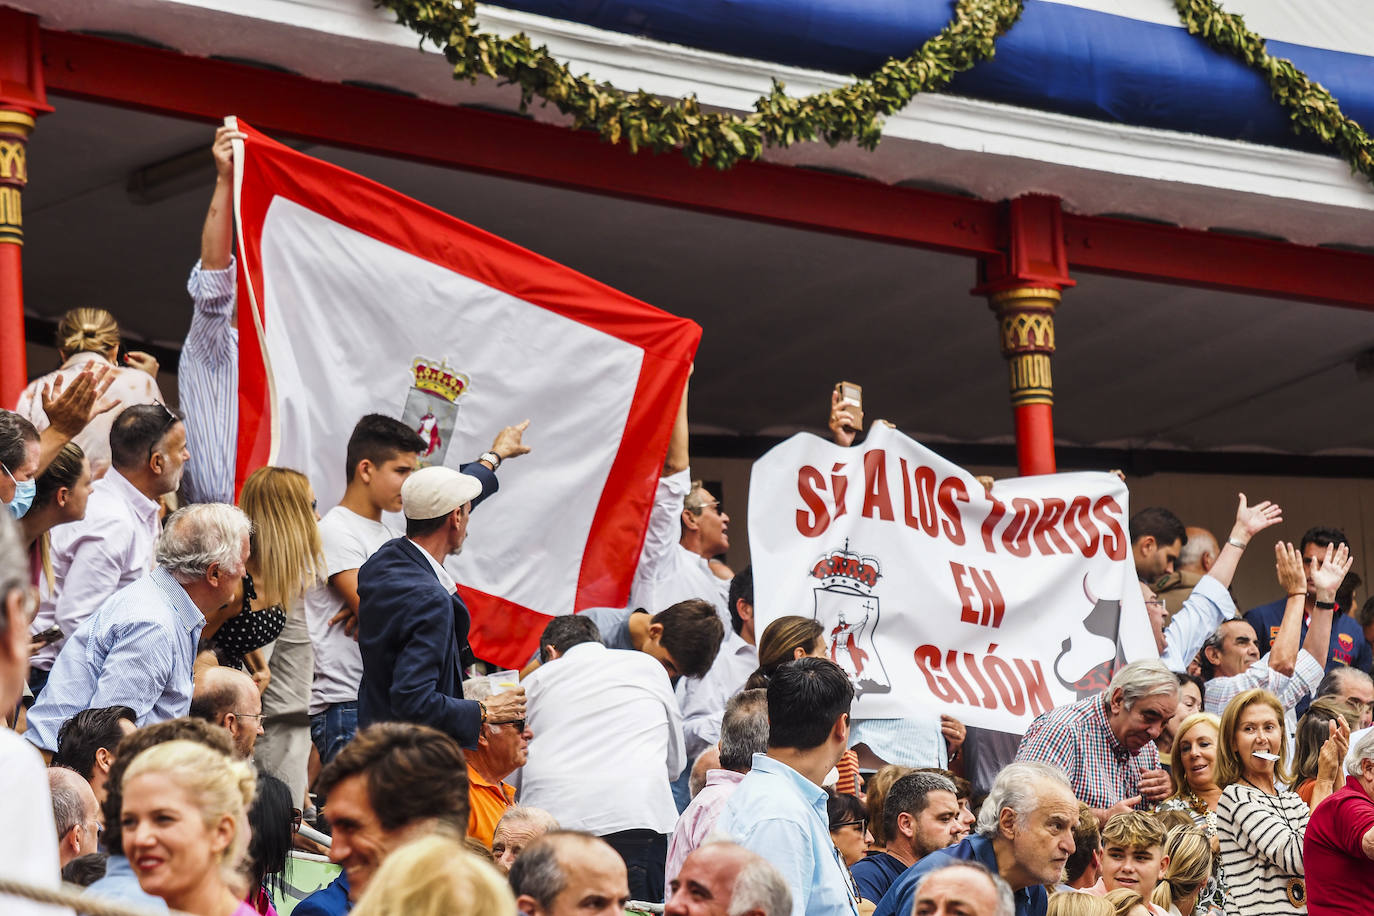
1251,520
1292,574
223,150
1327,577
143,362
508,442
845,420
70,408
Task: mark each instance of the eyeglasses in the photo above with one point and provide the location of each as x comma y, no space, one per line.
716,504
861,823
296,819
517,724
1155,602
172,420
250,715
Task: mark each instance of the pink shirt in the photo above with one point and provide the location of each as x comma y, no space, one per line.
699,818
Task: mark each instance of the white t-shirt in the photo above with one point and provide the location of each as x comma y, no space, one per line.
349,539
28,844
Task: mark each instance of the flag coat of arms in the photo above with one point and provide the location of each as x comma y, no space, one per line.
365,301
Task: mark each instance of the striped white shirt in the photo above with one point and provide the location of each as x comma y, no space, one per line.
1261,839
207,380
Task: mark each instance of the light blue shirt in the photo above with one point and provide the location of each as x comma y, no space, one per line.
780,814
208,386
1207,606
136,650
121,884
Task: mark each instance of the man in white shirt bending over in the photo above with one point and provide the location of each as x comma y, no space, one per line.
607,741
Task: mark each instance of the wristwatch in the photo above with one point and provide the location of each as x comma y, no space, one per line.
491,457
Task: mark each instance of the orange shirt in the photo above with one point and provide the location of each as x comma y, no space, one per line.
486,803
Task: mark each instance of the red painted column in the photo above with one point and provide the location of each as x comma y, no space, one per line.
21,101
1023,288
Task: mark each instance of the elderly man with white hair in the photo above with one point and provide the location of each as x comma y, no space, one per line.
139,647
1338,849
500,751
1024,835
1106,743
720,878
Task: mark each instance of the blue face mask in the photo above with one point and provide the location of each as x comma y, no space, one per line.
23,495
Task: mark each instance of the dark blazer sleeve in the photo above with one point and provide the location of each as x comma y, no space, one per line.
420,661
485,474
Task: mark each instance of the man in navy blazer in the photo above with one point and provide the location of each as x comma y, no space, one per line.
413,626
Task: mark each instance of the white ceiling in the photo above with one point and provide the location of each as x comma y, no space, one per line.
786,313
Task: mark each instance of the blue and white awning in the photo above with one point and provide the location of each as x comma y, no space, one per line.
1123,61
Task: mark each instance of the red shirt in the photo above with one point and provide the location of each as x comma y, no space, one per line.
1339,877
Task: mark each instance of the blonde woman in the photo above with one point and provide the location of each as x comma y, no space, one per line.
1196,792
1076,903
184,825
1180,888
1261,826
286,558
89,339
435,876
1126,902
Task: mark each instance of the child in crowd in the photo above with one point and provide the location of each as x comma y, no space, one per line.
1133,855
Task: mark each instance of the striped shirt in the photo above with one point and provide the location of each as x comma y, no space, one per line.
1078,739
1261,849
136,650
207,381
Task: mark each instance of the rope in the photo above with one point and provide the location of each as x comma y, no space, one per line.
70,895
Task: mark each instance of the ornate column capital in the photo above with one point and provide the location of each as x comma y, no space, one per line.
1025,317
15,128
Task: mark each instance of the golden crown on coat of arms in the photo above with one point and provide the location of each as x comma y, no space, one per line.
844,567
438,379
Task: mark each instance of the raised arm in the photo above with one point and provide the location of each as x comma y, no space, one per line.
678,458
70,408
217,236
1250,521
1283,649
1326,578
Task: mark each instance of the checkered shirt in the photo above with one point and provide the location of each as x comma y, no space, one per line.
1077,739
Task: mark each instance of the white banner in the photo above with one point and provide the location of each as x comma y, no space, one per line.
995,608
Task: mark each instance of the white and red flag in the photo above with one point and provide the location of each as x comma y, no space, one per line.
365,301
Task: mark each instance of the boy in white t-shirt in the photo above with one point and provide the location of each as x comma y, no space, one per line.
382,452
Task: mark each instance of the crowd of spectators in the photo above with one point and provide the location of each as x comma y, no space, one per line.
221,691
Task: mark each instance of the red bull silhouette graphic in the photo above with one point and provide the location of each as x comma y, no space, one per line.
1090,656
848,612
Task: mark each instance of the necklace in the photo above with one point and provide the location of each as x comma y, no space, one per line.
1297,888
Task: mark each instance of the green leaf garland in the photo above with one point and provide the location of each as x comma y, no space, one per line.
850,113
1310,106
645,121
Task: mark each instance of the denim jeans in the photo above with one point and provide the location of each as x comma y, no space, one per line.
333,728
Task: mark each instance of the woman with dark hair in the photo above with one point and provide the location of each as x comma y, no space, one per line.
1314,776
273,819
848,826
786,639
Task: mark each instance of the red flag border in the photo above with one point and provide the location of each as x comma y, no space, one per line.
502,631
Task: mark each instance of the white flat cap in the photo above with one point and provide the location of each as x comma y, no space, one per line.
435,491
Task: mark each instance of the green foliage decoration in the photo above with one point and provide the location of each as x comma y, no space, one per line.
1309,105
645,121
849,113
